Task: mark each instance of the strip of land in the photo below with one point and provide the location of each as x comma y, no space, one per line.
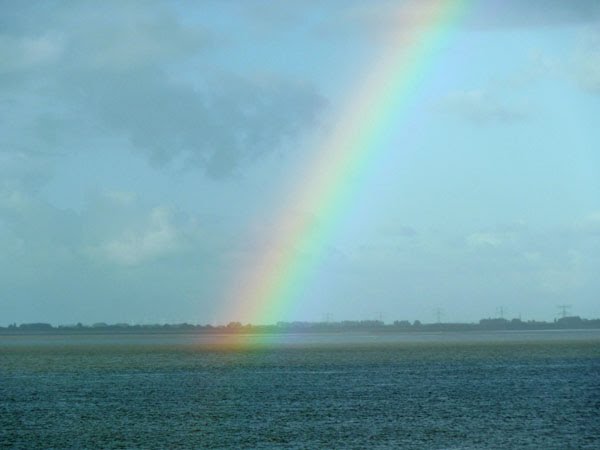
490,324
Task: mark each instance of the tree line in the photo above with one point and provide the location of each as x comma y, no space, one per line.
489,324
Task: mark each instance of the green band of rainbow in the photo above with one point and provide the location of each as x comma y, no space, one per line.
262,295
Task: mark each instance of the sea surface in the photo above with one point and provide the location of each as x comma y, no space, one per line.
508,390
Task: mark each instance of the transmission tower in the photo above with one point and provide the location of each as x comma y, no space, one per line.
438,314
564,310
501,310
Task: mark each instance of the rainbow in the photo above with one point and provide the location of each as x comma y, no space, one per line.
262,295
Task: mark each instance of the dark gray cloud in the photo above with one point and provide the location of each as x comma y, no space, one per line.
531,13
81,73
377,18
231,121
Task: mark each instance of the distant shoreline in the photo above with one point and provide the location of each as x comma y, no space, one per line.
345,327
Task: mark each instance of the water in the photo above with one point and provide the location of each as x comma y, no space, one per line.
422,391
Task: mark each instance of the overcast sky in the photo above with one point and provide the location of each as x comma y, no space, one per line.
146,149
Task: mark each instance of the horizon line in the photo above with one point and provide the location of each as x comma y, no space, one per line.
279,324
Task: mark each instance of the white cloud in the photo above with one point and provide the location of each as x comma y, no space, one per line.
590,224
158,237
486,239
121,197
564,276
12,200
114,228
532,257
498,236
105,260
481,107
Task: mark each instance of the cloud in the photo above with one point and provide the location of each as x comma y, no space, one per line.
485,239
539,66
377,19
232,121
532,13
384,17
501,235
129,40
22,171
120,252
156,238
113,35
480,107
589,225
399,230
587,62
551,262
104,262
114,228
566,275
86,73
29,52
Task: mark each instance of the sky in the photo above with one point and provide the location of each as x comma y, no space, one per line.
148,151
